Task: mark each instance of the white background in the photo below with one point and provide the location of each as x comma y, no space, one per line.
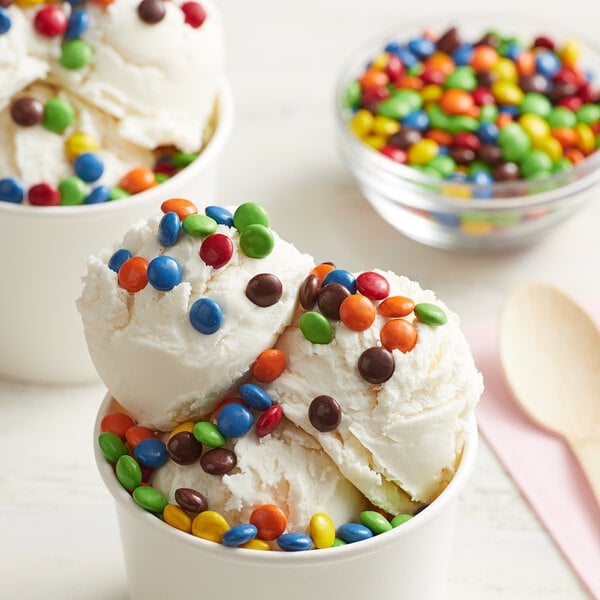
58,535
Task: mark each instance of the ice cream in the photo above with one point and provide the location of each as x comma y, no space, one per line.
141,91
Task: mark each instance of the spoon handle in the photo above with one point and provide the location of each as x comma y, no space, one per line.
588,455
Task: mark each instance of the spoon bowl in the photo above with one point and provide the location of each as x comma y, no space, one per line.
549,349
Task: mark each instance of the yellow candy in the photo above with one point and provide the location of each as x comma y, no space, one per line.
322,530
456,191
551,146
586,141
176,517
375,141
209,525
506,70
385,126
381,61
27,3
432,92
506,92
535,127
475,228
362,123
187,426
422,152
80,142
571,53
256,544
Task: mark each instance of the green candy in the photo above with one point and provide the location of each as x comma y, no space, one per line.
208,434
150,499
199,225
444,165
400,519
72,191
488,113
128,472
535,104
561,117
250,213
588,114
111,446
513,142
416,69
430,314
400,104
462,78
117,193
58,114
376,522
256,241
316,328
75,54
161,177
505,219
461,123
438,119
352,95
338,542
479,165
562,165
534,163
184,159
427,170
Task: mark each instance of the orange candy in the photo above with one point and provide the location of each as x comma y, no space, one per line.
440,62
269,365
117,423
396,307
321,270
134,435
443,138
566,136
503,120
525,63
574,155
270,521
372,78
456,102
410,82
132,274
357,312
137,180
398,334
103,2
483,58
184,208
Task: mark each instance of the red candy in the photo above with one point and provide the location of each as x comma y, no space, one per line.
216,250
573,103
195,15
482,96
43,194
431,76
269,420
394,153
117,423
50,21
373,285
395,68
465,139
134,435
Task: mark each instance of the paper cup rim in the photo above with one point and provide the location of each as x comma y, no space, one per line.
325,555
206,157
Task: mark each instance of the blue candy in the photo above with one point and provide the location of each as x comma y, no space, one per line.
11,190
342,277
164,273
255,396
168,229
294,541
462,55
88,166
547,63
234,420
353,532
422,47
151,452
482,178
513,51
393,47
458,177
447,219
417,119
221,215
239,534
98,194
443,151
206,316
488,133
78,23
407,57
5,21
118,258
511,109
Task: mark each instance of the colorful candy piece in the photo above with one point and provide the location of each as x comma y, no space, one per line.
324,413
208,434
150,499
353,532
269,421
206,316
294,542
151,452
218,461
176,517
322,530
164,273
234,420
210,525
269,520
239,535
269,365
128,472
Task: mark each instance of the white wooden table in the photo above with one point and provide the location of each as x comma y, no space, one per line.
58,534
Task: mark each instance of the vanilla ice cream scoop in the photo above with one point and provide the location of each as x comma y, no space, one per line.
144,345
399,439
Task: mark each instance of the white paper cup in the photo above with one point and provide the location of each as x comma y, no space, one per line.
44,252
408,562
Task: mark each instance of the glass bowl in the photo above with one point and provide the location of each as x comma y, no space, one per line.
456,214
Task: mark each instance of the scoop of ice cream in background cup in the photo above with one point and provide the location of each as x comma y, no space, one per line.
410,561
45,251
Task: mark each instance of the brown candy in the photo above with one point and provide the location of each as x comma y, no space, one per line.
191,500
264,289
184,448
376,365
27,111
6,3
463,156
449,41
489,39
151,11
490,153
562,89
309,291
218,461
404,138
486,79
506,172
534,83
324,413
330,298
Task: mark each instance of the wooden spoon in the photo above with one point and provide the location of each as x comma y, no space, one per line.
550,352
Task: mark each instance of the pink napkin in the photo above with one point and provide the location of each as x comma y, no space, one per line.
540,463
